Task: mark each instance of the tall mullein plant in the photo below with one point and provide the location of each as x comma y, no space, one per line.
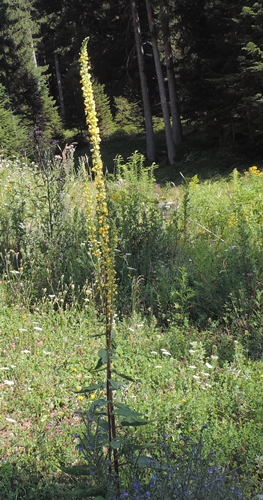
100,239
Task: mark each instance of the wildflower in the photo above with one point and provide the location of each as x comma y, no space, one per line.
152,482
9,382
165,352
80,398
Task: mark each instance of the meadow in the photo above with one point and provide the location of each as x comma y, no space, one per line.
187,324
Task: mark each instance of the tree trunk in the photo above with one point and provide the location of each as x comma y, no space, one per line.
150,146
60,89
165,109
32,48
176,121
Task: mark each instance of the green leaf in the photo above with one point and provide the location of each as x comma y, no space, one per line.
135,423
140,446
115,444
90,388
104,425
103,355
114,384
98,365
144,461
122,375
125,411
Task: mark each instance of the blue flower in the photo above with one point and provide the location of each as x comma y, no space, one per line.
136,484
152,482
125,494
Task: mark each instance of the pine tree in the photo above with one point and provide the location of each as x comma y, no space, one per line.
13,136
21,75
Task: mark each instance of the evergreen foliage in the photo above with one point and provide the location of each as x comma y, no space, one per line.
13,136
24,80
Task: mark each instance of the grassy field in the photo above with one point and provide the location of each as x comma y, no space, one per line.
189,325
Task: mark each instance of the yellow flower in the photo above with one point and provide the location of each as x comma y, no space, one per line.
99,229
92,396
80,398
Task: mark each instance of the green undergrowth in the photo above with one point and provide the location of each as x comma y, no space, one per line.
46,356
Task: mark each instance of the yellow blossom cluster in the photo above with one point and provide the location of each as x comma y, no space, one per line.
99,229
254,171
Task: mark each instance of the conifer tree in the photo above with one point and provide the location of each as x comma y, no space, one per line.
21,75
13,136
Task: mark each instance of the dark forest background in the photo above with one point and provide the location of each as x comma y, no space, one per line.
216,59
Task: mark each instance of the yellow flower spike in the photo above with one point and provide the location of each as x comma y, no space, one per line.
99,228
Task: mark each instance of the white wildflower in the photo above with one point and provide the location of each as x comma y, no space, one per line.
9,382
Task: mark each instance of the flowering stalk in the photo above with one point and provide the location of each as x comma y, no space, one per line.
100,233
